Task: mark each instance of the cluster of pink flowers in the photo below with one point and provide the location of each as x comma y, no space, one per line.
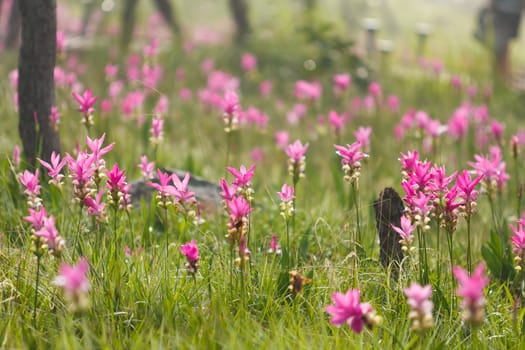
492,168
86,102
75,283
32,188
118,189
518,242
287,196
243,181
177,194
45,235
420,306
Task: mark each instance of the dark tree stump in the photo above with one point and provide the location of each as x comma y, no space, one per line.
239,9
389,208
36,86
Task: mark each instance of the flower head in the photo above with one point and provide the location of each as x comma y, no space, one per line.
420,305
347,309
351,160
191,252
471,290
54,169
32,191
75,283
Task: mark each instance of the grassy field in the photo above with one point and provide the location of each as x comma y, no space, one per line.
141,293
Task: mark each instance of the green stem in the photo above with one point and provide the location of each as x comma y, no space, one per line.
451,257
77,244
37,282
288,245
425,267
469,254
438,247
357,216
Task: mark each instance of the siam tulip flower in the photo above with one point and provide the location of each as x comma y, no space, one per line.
471,290
238,209
305,90
81,172
409,162
16,156
296,114
54,118
347,309
157,131
244,252
458,123
405,232
420,306
36,218
242,180
95,207
146,168
351,160
111,71
297,282
162,105
450,210
496,128
341,83
54,169
518,241
32,188
74,282
337,121
296,159
248,62
230,107
191,252
375,90
362,135
165,191
281,139
466,191
492,168
118,189
48,239
393,103
287,197
456,82
472,91
257,155
98,153
421,210
185,94
86,102
151,75
275,248
228,192
184,198
265,88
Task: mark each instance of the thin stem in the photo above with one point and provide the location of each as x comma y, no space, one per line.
425,267
37,282
357,216
166,246
288,244
438,247
77,244
469,254
451,257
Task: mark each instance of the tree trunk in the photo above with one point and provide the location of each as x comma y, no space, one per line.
239,9
128,22
36,86
13,26
167,12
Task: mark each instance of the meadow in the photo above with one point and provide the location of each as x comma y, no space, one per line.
300,130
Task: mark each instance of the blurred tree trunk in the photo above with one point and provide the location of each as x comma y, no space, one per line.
13,26
36,86
168,13
128,22
1,4
89,7
239,9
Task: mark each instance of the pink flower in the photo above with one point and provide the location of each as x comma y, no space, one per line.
16,156
393,104
471,290
162,105
97,150
238,208
75,283
341,82
518,241
157,130
54,169
350,155
287,193
458,123
165,190
305,90
466,190
81,171
296,151
95,206
456,82
374,89
54,118
496,129
190,251
49,234
362,135
337,121
230,103
405,232
118,188
32,191
182,194
492,168
248,62
146,168
37,218
274,246
265,88
420,305
111,71
228,192
242,176
85,101
281,139
347,309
